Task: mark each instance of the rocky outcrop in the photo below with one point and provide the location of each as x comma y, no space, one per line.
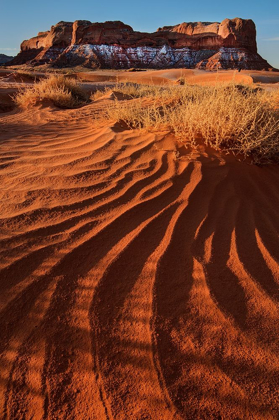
237,33
59,35
237,58
5,58
36,49
229,44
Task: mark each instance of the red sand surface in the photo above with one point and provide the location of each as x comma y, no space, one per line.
171,76
138,281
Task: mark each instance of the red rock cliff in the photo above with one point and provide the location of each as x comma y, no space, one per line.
116,45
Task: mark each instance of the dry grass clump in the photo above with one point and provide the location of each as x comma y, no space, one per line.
232,118
181,81
99,94
273,98
129,91
135,90
61,91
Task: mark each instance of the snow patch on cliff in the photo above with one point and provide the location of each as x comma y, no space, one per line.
233,58
121,57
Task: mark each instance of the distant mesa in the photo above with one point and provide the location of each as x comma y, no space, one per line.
204,45
5,58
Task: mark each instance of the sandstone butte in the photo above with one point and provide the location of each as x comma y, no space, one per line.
204,45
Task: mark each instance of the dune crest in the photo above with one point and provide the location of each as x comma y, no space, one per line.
137,280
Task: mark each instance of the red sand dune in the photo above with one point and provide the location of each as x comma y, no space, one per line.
171,76
138,281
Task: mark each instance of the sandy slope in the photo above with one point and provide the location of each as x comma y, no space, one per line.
172,75
138,281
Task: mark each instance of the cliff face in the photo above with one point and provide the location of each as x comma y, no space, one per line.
229,44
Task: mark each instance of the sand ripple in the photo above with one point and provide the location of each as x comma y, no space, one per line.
135,282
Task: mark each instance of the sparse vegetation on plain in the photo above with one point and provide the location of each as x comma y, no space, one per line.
233,118
62,91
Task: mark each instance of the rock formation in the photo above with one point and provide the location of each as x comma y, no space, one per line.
229,44
5,58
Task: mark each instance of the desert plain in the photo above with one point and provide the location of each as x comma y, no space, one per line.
138,275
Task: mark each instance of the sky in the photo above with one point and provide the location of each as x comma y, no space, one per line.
23,19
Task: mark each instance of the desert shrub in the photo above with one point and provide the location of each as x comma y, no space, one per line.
181,81
62,92
137,115
272,98
98,94
133,69
135,90
231,117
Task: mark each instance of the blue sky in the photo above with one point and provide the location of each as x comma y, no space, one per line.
21,19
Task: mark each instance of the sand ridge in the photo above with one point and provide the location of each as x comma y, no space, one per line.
137,280
171,76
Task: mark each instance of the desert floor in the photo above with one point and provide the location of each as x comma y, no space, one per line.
138,280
